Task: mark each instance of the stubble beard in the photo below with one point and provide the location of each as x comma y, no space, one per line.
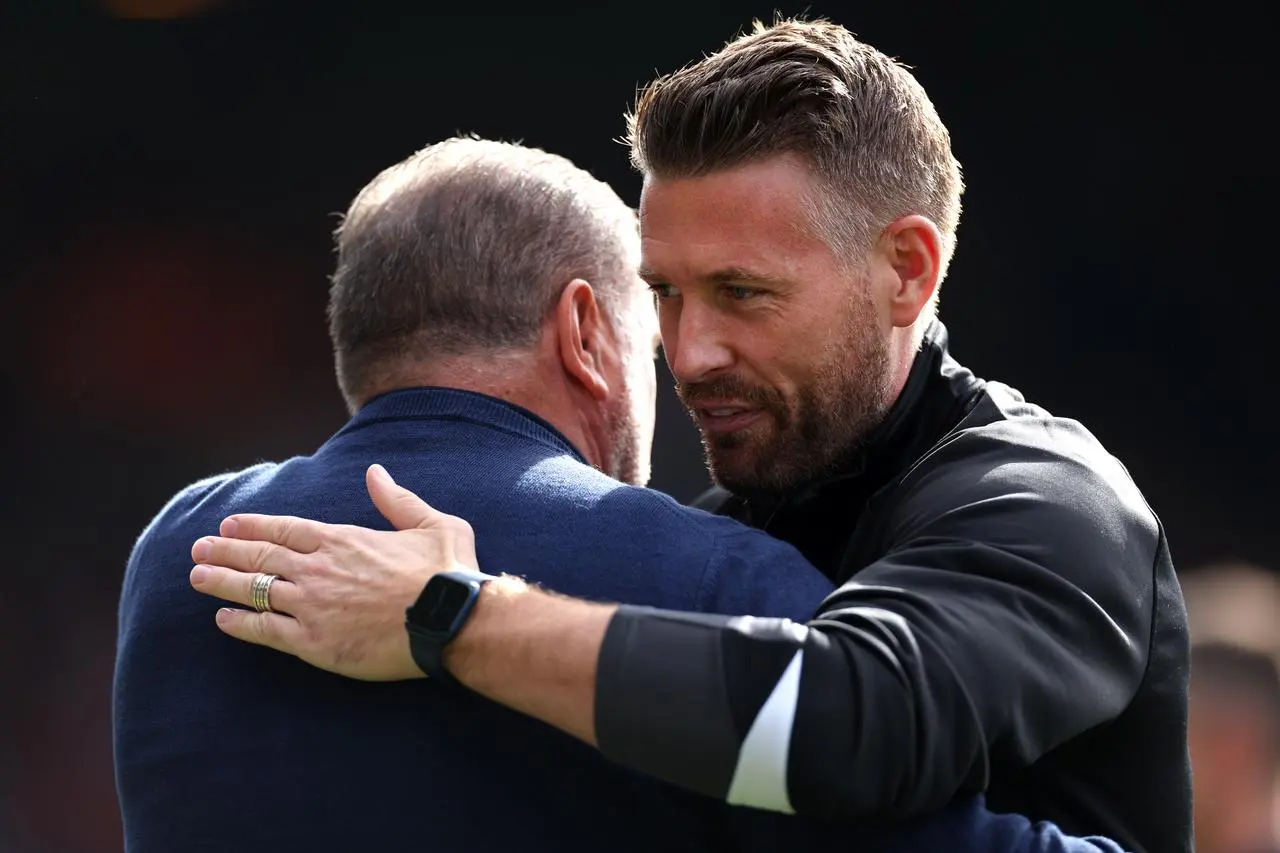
811,436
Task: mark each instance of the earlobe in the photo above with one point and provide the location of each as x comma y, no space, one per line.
915,248
580,327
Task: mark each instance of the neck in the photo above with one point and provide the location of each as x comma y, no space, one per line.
524,378
904,345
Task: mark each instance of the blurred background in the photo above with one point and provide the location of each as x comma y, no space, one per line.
170,172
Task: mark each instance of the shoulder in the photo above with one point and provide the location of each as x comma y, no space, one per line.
698,560
200,503
1014,451
572,486
155,576
1015,477
744,571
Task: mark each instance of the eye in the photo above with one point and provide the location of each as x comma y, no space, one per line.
740,293
662,291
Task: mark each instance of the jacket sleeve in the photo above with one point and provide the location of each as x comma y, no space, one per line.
1010,612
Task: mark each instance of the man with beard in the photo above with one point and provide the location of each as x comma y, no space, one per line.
1007,617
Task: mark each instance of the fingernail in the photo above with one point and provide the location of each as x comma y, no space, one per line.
200,574
230,526
201,549
224,616
379,472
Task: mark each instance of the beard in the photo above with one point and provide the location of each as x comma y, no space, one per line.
628,459
815,431
625,459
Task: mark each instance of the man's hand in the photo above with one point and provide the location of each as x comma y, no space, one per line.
342,591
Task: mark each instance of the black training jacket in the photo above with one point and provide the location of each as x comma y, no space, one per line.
1006,619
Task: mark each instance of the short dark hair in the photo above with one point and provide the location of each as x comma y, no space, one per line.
465,247
854,116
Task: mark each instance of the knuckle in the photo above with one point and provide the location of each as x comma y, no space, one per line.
457,525
310,566
312,637
258,555
326,534
305,600
267,632
316,644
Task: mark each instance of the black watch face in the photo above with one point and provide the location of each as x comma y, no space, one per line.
438,607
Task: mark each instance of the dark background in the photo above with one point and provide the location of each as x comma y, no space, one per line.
168,188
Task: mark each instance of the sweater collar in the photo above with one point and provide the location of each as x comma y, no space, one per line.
438,403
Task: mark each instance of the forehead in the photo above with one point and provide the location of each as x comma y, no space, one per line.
754,216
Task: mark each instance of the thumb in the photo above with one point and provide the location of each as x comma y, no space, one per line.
398,505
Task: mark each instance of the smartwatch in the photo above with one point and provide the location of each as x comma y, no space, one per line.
438,615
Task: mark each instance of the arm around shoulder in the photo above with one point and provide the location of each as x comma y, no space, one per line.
1010,611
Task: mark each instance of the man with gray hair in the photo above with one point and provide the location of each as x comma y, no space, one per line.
496,347
493,341
454,256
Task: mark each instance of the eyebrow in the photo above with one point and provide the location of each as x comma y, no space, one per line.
727,275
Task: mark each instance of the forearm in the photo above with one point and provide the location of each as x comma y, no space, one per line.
886,706
704,702
534,652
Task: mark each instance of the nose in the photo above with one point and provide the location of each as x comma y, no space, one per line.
695,342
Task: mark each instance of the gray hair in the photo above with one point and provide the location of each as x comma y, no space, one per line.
464,248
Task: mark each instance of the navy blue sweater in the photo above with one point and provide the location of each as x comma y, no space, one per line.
225,746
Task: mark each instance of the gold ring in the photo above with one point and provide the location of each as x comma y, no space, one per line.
260,593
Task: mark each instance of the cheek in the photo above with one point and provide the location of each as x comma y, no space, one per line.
776,361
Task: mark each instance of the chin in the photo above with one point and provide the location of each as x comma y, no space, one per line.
736,470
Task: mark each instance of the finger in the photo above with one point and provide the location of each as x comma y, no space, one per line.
282,633
242,556
237,587
398,505
297,534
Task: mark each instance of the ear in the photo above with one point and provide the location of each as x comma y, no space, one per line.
584,337
914,248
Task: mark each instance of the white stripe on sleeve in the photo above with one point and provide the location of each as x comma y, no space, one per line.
760,778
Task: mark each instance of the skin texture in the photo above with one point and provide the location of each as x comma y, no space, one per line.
780,351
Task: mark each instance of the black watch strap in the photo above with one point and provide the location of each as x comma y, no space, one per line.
439,614
428,654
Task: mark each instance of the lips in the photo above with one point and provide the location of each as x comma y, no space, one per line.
725,418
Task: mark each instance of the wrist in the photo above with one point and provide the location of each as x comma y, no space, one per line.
464,656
